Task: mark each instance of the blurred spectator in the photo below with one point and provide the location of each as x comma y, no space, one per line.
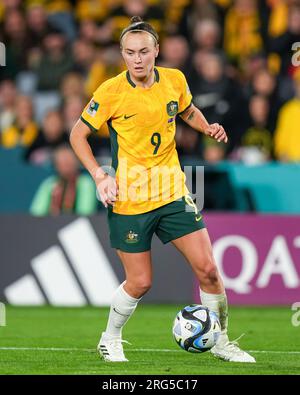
277,23
95,64
72,110
252,65
174,52
256,143
242,34
24,130
55,63
72,85
187,141
213,152
38,25
119,18
264,84
174,10
51,136
282,44
107,63
67,192
216,95
195,13
93,10
88,30
287,136
8,97
38,29
60,15
8,5
83,53
207,35
17,42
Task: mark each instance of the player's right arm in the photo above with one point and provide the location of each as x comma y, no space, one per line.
196,120
106,185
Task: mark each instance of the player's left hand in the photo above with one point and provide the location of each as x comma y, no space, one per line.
217,132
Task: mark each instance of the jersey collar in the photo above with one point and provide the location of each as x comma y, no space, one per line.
156,73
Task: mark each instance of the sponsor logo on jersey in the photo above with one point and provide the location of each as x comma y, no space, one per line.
129,116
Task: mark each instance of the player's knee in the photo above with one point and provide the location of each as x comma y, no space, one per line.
144,286
210,270
141,286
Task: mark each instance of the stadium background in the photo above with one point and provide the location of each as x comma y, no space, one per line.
237,57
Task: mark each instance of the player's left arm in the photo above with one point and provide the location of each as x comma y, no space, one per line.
196,120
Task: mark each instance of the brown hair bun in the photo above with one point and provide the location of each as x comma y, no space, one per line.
136,19
136,25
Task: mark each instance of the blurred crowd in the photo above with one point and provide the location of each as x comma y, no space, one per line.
236,55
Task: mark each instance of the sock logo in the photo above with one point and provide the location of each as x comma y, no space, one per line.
116,311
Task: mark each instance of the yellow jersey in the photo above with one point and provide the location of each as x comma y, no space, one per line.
142,127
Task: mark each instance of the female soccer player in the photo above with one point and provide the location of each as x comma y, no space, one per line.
140,106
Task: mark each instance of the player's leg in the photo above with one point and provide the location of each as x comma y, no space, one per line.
197,249
138,270
131,236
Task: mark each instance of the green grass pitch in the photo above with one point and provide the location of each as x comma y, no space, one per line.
49,340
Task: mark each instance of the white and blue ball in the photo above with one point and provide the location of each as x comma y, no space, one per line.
196,328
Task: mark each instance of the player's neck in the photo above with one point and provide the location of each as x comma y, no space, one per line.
145,82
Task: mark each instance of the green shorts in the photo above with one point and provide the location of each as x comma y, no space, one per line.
133,233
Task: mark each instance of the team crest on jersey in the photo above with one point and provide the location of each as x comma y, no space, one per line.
172,108
131,237
92,108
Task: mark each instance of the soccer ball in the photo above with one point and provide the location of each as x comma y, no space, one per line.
196,328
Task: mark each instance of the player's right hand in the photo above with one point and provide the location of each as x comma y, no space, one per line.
217,132
107,189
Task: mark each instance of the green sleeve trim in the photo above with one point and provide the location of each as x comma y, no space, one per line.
156,74
88,124
114,145
181,112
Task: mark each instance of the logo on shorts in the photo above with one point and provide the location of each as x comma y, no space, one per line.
131,237
198,217
192,206
172,108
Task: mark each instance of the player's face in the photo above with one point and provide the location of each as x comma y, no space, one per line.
139,52
65,163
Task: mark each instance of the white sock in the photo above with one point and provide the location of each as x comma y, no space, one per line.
121,309
218,304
